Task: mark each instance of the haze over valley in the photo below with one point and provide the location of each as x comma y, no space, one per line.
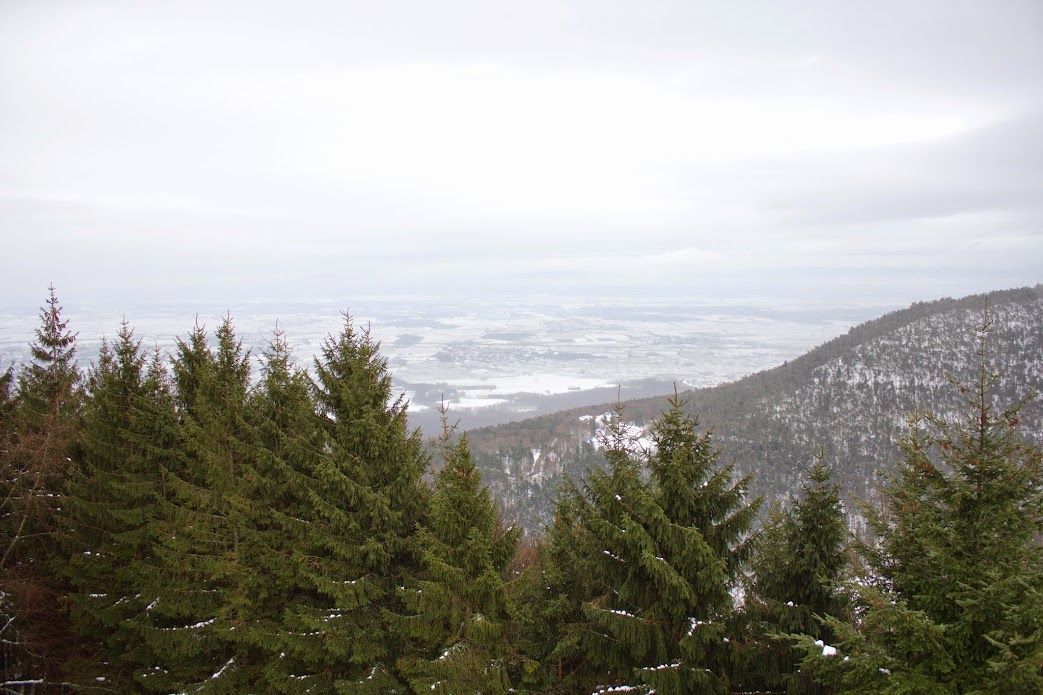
496,361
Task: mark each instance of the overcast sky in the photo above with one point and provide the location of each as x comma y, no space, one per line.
817,151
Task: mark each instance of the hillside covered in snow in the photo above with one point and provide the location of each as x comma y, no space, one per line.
850,398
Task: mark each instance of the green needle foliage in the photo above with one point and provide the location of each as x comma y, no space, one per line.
798,565
954,604
274,498
459,616
367,502
664,551
114,501
197,537
547,605
207,533
37,447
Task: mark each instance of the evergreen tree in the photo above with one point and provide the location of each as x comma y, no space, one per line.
367,500
547,604
665,553
111,500
797,567
191,367
281,530
953,604
459,610
696,492
7,400
188,616
47,387
36,453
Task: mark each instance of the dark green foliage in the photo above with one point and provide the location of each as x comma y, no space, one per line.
958,560
364,503
664,553
7,400
37,445
47,387
113,502
547,605
224,537
187,616
458,608
694,490
798,564
272,497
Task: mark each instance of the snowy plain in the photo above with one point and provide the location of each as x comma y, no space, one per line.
495,361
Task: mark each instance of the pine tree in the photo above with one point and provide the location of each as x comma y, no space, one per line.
954,598
366,502
188,617
111,500
35,456
547,604
458,608
667,552
797,567
280,530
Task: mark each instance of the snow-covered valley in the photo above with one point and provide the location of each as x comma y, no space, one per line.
496,361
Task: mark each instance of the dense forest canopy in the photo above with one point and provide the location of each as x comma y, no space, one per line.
180,523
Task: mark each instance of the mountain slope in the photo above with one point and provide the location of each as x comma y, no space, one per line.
850,397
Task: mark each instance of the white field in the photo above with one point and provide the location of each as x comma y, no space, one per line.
490,354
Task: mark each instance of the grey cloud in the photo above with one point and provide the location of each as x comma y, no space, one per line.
994,169
116,147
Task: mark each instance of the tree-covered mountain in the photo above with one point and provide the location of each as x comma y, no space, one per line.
849,399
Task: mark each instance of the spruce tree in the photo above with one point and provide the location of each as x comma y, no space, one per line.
665,552
48,386
366,502
111,500
796,571
281,530
635,583
36,454
7,400
696,492
953,602
547,604
187,618
458,608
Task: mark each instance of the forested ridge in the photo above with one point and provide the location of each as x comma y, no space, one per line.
848,398
178,523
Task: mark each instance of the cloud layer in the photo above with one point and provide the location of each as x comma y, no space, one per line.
817,150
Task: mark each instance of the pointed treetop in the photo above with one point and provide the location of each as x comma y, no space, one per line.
50,381
55,346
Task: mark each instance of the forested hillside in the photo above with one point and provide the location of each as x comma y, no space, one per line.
848,399
179,523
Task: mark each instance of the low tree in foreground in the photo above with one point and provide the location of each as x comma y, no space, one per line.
37,446
458,615
546,605
954,602
664,552
798,564
113,501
